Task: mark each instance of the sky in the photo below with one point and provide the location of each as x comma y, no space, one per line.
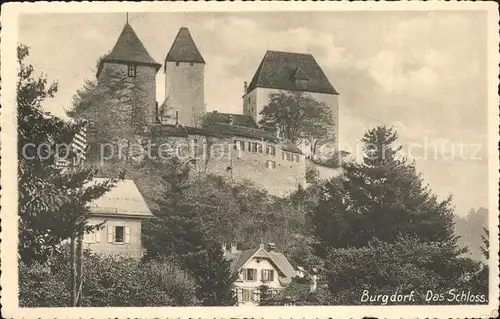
422,72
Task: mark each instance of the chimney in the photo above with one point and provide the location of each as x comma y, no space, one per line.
234,248
245,87
176,118
271,247
261,246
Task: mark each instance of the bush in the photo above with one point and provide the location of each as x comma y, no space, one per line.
108,281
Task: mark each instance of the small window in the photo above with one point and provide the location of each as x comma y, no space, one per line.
301,84
283,155
271,150
250,274
191,63
259,147
267,275
249,99
297,158
132,70
119,234
288,156
176,63
271,164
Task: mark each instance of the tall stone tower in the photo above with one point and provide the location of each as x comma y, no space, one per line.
184,82
130,59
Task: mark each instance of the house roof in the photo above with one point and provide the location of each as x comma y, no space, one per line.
123,199
276,258
184,49
129,48
225,118
278,70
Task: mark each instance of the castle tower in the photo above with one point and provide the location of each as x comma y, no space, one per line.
184,82
130,59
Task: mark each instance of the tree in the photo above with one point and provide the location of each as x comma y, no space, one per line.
468,228
406,265
297,116
52,203
381,197
114,104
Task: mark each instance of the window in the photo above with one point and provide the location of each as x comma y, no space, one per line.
132,70
297,158
301,84
250,274
119,234
176,63
248,295
271,150
249,99
283,155
271,164
288,156
259,147
191,63
94,237
267,275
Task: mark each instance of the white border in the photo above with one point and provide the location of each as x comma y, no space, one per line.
9,22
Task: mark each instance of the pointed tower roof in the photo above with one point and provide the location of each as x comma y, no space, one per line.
128,48
184,49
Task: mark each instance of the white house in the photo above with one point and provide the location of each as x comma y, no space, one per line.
122,210
256,267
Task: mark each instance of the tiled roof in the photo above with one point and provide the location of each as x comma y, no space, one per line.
129,48
123,199
184,49
225,118
278,70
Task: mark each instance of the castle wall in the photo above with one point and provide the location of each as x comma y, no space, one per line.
184,89
250,105
145,80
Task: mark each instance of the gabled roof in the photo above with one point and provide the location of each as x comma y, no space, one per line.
300,75
129,48
124,199
225,118
184,49
276,258
278,69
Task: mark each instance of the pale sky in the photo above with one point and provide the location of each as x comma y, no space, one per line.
423,72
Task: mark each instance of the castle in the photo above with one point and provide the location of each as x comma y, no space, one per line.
230,145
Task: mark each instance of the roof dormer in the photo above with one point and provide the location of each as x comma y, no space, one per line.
300,78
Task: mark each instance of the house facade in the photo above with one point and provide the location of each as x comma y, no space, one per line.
121,212
257,267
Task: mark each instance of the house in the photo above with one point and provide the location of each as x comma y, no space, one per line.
122,211
257,267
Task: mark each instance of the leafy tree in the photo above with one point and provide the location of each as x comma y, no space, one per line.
297,116
52,204
381,197
406,265
114,104
485,237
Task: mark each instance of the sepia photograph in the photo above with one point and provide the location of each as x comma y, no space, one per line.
251,161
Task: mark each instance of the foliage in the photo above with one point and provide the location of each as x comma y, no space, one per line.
381,197
109,281
52,204
297,293
485,237
297,116
114,104
406,265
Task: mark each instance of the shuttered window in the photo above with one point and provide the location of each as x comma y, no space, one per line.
118,234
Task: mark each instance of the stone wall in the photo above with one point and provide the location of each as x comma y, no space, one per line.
184,88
